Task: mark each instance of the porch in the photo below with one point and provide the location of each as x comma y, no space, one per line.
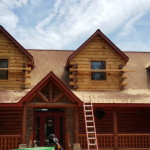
105,141
125,141
119,129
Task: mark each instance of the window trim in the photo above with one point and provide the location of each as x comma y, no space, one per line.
7,70
92,60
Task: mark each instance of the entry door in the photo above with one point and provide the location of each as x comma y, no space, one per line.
47,123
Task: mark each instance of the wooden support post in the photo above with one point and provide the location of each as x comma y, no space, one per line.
57,130
68,144
76,125
115,129
24,117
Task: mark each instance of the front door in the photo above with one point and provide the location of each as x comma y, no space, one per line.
49,121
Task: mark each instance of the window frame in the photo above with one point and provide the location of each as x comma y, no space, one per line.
4,58
97,71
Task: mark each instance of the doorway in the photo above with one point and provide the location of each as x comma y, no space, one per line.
49,121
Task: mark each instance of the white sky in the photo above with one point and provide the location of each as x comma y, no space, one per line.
66,24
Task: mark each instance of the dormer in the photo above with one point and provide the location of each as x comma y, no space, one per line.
15,63
97,64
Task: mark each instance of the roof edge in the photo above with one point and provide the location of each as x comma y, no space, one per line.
17,44
63,50
43,82
136,51
98,32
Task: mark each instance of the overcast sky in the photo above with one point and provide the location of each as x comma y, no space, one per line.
66,24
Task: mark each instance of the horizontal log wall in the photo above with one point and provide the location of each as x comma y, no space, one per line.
104,125
97,50
133,128
133,120
16,59
130,120
10,121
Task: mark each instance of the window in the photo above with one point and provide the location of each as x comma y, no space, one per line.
3,64
98,65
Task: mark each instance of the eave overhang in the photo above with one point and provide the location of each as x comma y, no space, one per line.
98,32
50,76
19,46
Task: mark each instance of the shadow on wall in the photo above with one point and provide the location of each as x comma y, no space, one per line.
148,79
65,77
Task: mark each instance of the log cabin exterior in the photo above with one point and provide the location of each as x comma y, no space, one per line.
43,92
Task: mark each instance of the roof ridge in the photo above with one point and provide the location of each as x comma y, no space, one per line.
136,51
47,50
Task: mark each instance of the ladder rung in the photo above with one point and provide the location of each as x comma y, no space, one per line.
89,121
92,143
89,115
91,138
88,110
91,132
90,126
87,105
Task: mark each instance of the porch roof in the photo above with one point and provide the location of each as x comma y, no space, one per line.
130,96
137,90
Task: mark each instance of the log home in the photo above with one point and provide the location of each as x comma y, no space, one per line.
96,97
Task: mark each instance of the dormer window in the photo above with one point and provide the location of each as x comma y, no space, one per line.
98,75
3,64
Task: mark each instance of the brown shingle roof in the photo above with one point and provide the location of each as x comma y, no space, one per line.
49,60
129,96
137,90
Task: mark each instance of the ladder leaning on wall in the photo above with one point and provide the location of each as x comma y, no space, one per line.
90,126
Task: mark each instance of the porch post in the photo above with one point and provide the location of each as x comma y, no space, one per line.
76,125
115,129
24,125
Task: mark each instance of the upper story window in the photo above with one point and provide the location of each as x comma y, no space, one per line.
98,65
3,64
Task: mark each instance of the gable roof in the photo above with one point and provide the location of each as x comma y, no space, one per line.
18,45
50,77
98,32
